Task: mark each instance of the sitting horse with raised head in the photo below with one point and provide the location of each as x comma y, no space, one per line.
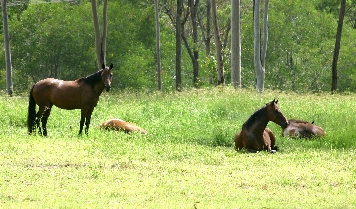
82,93
302,129
254,135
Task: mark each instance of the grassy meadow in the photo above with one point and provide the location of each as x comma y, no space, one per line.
186,161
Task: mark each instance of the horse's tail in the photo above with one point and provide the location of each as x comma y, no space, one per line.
31,114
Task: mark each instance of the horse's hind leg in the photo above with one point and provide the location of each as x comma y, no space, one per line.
39,116
270,140
44,119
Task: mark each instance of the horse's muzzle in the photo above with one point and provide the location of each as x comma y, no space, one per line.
285,125
107,88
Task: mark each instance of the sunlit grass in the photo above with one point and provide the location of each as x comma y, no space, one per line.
186,160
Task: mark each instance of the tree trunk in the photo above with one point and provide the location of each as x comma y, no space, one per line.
9,85
178,45
235,44
105,32
100,41
257,56
226,34
218,46
158,47
193,15
337,46
265,36
208,22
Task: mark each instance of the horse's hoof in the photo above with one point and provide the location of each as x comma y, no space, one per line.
273,151
275,148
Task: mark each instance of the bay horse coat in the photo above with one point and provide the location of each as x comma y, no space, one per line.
82,93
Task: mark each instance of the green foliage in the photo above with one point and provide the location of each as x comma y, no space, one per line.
47,44
57,40
131,44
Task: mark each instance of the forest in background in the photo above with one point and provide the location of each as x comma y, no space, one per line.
57,40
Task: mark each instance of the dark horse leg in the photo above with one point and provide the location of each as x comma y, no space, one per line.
44,120
85,118
39,116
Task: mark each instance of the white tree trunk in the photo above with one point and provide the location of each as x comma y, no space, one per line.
9,84
235,44
265,36
257,58
100,41
105,32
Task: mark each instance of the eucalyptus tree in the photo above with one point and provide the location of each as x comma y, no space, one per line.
337,46
235,44
9,85
100,39
260,57
218,45
179,23
188,12
158,47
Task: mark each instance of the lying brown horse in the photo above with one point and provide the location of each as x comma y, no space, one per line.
82,93
120,125
302,129
254,135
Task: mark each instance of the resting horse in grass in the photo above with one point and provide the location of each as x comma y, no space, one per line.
254,135
303,129
120,125
82,93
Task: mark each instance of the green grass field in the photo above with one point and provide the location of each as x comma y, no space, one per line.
186,161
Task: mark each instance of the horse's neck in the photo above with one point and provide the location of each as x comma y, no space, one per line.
99,88
258,126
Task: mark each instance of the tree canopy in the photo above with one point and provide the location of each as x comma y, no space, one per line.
57,40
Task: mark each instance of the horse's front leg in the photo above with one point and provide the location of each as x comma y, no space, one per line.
87,120
82,119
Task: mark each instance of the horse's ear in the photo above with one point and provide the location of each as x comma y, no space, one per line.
111,66
276,101
103,66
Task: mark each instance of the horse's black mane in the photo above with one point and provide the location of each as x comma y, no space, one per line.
255,116
92,79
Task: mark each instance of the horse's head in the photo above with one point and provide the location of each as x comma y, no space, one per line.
274,114
106,76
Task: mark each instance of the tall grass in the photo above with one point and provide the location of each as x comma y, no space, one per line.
187,160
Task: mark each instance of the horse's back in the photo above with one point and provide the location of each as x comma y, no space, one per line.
303,130
63,94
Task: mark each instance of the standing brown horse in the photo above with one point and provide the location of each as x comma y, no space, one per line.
254,135
303,129
82,93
